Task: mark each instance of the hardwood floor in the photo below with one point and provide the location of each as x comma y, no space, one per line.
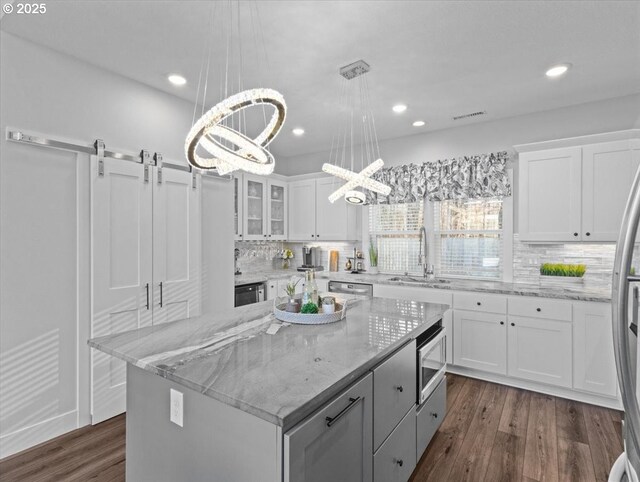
494,433
491,433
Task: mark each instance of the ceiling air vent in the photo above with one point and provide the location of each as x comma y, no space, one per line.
468,116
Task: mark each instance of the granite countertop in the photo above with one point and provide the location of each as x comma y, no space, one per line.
578,293
283,377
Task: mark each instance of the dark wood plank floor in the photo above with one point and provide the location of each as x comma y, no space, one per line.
494,433
491,433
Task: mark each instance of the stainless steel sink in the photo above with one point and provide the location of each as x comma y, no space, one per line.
416,280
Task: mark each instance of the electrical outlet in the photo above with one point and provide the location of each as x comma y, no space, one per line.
176,408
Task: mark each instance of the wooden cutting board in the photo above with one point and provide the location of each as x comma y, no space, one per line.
333,260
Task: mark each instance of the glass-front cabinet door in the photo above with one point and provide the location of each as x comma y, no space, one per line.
277,209
238,202
255,224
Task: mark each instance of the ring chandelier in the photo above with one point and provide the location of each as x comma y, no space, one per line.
250,155
347,138
217,141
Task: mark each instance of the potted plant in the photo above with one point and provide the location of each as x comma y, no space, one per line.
559,273
287,254
293,305
373,258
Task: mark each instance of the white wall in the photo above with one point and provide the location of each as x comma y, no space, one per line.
44,226
595,117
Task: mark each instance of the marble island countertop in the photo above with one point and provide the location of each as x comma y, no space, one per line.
578,293
281,377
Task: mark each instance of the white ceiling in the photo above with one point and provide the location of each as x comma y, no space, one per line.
442,58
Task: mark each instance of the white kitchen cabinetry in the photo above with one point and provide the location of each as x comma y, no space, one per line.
549,195
594,361
575,193
313,218
264,209
336,442
302,210
608,171
480,341
540,350
145,232
238,206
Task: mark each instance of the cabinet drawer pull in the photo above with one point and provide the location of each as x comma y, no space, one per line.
478,303
538,310
502,322
352,403
513,324
399,462
400,388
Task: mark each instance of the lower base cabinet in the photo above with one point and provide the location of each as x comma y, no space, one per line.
336,442
480,341
396,458
540,350
429,417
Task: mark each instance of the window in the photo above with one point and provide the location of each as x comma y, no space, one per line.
395,229
468,238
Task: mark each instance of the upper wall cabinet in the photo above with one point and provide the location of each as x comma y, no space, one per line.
264,208
576,193
313,218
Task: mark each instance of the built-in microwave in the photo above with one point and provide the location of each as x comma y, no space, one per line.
432,360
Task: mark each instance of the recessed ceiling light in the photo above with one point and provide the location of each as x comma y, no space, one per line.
558,70
298,131
418,124
399,108
176,79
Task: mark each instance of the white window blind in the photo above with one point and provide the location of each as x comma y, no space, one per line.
395,228
468,238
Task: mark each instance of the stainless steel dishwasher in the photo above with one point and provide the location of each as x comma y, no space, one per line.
351,288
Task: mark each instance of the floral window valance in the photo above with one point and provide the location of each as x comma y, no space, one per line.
468,177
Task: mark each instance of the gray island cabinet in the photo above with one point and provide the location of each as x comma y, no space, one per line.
221,398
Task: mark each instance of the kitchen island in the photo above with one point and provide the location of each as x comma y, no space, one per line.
250,405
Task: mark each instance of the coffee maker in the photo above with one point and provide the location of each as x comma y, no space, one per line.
310,259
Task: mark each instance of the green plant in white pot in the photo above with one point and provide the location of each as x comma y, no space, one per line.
293,306
373,258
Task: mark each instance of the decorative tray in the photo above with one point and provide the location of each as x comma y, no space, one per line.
279,311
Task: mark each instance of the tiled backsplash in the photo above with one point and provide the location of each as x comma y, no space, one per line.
258,255
598,258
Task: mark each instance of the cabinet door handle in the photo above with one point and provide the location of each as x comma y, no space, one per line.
400,388
352,403
160,294
513,324
312,236
434,414
538,310
502,322
317,235
399,462
575,234
478,303
147,287
588,234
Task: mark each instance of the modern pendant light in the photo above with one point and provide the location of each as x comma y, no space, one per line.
358,129
217,141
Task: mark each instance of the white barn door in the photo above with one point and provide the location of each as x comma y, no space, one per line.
176,245
121,238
